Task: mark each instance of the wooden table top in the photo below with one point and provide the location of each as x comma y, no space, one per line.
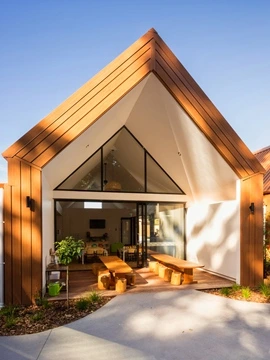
168,259
114,263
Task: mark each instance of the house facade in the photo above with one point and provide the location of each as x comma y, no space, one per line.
142,140
263,156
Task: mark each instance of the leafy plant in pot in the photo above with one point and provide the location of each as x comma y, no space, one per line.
67,250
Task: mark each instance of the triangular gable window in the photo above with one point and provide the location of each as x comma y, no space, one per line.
121,165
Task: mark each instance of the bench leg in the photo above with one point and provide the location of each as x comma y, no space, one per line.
188,277
121,285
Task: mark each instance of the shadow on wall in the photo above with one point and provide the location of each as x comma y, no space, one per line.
215,238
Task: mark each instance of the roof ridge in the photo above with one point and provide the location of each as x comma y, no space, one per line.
152,30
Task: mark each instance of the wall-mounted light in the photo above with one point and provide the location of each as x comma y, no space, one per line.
252,208
30,203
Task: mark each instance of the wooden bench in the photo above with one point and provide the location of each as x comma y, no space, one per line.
186,267
119,268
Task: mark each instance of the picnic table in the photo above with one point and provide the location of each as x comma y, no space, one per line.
184,266
115,264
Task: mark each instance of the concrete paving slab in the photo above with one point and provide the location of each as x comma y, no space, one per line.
157,325
23,346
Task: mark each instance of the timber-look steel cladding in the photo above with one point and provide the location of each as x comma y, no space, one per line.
263,156
27,157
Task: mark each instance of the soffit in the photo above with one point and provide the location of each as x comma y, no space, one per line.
165,130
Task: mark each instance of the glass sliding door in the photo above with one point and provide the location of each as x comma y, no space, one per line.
145,226
128,231
160,228
165,229
141,235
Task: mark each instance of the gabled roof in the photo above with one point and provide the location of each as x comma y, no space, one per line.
263,156
148,54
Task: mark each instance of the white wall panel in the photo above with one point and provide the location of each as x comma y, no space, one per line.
47,225
213,237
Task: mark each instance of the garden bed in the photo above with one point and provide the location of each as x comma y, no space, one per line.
20,320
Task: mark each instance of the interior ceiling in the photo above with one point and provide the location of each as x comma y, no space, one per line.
105,205
160,124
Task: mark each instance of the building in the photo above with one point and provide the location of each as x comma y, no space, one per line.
263,156
142,139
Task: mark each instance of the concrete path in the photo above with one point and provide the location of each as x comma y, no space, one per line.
181,325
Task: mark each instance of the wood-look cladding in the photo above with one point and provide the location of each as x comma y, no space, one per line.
7,217
22,233
263,156
251,241
89,103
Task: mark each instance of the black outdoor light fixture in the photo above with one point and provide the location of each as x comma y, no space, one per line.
251,208
30,203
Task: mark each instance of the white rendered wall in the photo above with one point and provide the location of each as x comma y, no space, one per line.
213,237
47,226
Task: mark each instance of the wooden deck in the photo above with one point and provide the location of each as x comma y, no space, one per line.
82,281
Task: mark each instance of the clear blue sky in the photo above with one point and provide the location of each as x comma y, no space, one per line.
49,48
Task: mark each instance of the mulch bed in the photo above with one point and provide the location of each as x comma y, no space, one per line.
33,319
255,295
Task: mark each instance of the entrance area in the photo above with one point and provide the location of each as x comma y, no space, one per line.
84,281
128,229
133,231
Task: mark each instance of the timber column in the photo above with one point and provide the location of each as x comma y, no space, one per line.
22,232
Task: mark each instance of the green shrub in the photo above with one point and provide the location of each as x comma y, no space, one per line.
82,304
265,290
9,311
246,293
45,303
37,316
41,301
225,291
10,321
236,287
95,297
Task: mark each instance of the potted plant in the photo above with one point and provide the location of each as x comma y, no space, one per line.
68,249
